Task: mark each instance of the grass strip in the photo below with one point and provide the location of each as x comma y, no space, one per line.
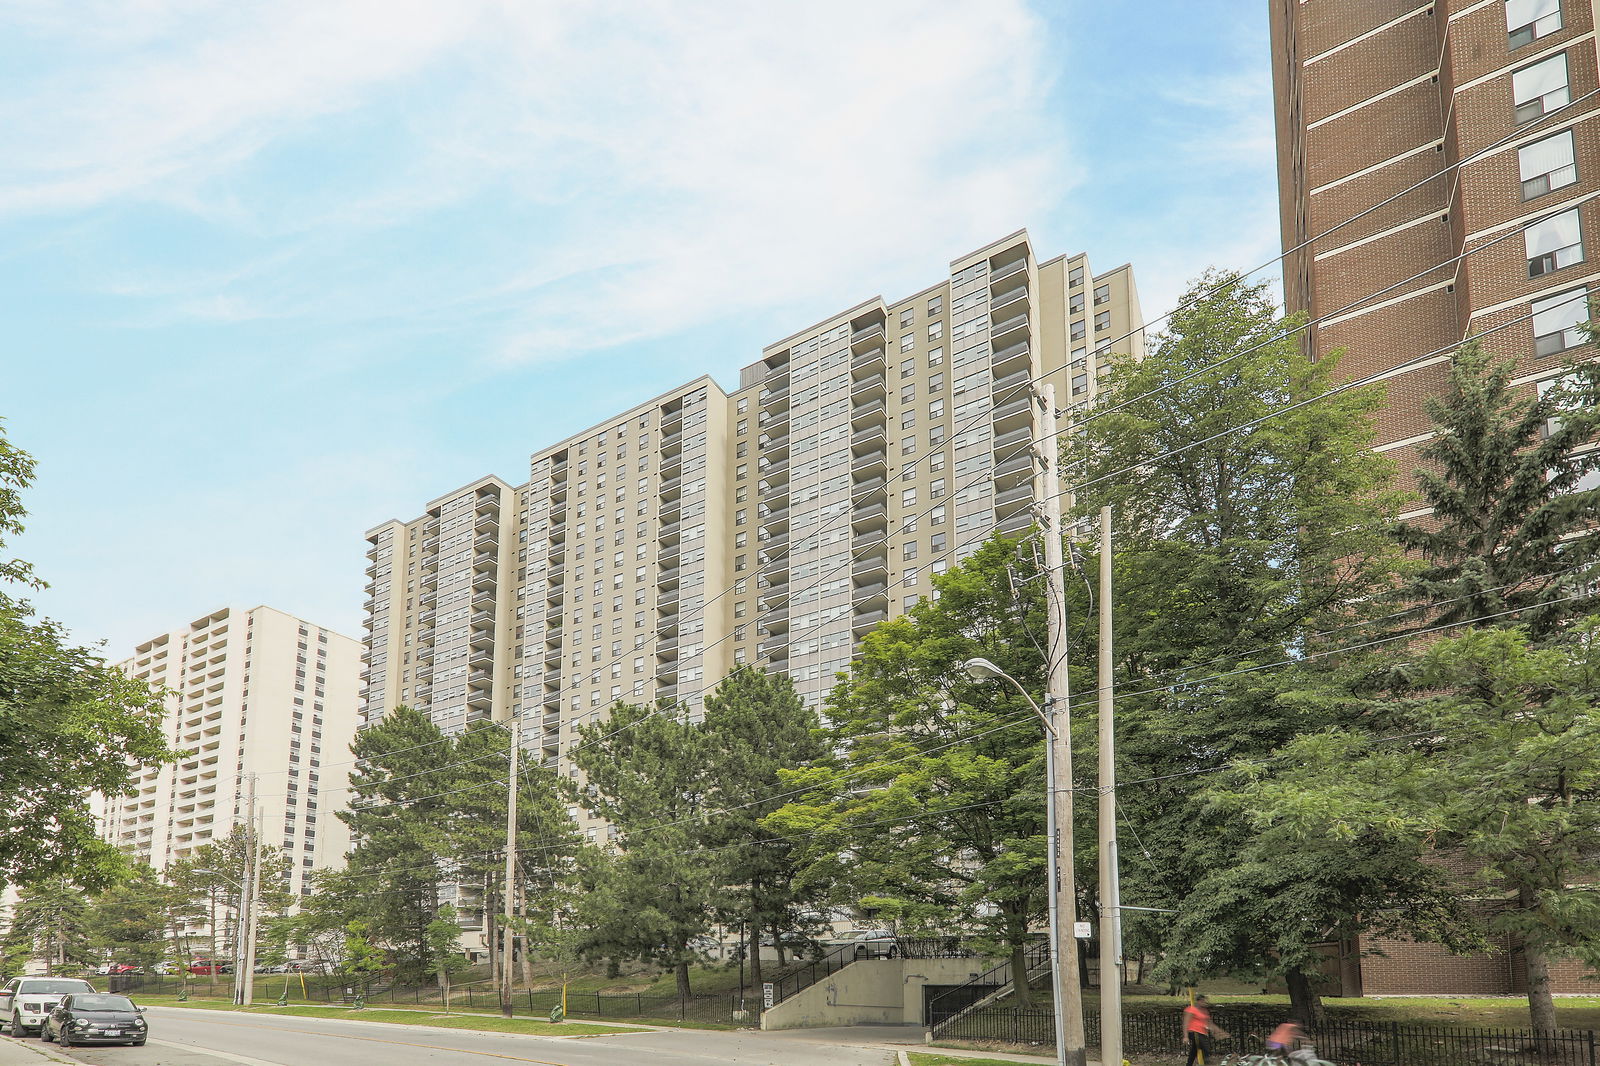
479,1022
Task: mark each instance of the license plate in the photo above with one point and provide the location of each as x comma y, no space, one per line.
105,1032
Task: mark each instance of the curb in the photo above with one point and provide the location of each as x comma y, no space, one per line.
37,1047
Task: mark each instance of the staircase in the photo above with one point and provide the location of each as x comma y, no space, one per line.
984,989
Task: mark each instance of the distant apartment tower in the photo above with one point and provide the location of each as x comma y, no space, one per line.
1438,173
1439,168
255,692
646,557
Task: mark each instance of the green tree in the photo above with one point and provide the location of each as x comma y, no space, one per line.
50,924
129,921
1509,524
1251,533
362,960
1492,755
934,810
651,897
72,726
755,726
445,959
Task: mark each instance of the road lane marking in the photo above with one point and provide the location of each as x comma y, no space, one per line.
349,1036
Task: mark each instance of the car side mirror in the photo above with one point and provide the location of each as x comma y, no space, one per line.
139,1009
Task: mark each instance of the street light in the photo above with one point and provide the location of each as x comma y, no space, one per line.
242,930
981,669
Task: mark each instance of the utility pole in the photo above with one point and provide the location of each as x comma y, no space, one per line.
1112,965
508,940
246,901
1064,952
254,915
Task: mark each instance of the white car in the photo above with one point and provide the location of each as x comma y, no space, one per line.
25,1002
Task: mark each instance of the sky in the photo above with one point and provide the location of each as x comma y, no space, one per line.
273,273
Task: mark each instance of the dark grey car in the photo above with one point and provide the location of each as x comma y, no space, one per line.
97,1018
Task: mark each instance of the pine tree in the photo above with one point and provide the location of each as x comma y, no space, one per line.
1512,487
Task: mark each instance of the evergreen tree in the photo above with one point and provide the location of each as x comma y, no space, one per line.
1513,492
50,924
128,922
651,896
755,726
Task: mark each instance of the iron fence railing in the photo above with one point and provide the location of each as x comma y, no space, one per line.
947,1004
1367,1043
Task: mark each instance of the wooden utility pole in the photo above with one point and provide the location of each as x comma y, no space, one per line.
507,935
1112,965
1070,1037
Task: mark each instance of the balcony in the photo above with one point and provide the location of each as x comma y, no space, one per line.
771,420
1011,385
666,647
1017,464
868,388
871,567
868,619
426,617
774,395
1005,359
868,490
775,650
869,516
875,590
771,599
867,335
487,504
773,569
769,545
775,446
1022,436
777,522
1002,331
874,463
776,621
867,413
1020,494
555,576
668,533
867,362
485,560
1007,270
1005,299
1017,522
867,546
430,544
1008,413
479,697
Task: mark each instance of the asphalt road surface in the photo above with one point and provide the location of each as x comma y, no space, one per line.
188,1037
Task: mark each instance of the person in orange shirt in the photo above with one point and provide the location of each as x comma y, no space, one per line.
1284,1039
1198,1031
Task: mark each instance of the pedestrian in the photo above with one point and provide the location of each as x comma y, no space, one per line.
1199,1030
1284,1039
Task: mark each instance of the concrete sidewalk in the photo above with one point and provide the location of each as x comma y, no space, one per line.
30,1052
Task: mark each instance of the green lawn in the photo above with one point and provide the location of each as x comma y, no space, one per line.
922,1058
483,1022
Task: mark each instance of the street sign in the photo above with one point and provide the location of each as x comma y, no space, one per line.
1083,930
766,994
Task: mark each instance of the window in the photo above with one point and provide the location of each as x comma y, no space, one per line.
936,516
1556,320
908,446
908,472
935,410
744,426
908,392
908,419
1078,330
1554,243
935,305
1539,89
936,437
908,316
742,451
1529,20
908,498
910,578
936,382
908,367
1080,384
936,490
1102,294
908,341
1075,276
1546,165
739,516
935,358
1075,305
935,331
1102,321
938,543
908,550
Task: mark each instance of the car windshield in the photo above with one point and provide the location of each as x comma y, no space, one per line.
102,1003
53,987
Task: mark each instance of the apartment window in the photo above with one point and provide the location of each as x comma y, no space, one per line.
1556,322
1547,164
908,446
742,450
908,419
1102,295
743,406
1080,384
1102,321
742,472
1554,243
1075,276
936,331
935,410
739,517
740,539
908,392
744,426
1539,89
908,341
936,490
741,563
935,358
908,316
936,382
1075,305
1529,20
908,472
937,543
908,367
936,437
908,550
909,579
936,516
740,609
935,305
908,497
1079,330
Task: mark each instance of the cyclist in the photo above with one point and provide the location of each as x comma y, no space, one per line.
1284,1039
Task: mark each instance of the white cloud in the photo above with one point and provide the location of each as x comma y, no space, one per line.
672,162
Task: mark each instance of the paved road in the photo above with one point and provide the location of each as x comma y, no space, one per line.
186,1037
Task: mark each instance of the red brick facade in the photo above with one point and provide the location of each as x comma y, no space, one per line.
1409,110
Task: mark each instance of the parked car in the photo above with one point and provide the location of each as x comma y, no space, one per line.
126,968
164,968
875,944
85,1018
207,967
26,1001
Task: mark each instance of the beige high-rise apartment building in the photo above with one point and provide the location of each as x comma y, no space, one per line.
646,557
252,693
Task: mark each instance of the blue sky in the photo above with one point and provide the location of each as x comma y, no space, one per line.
275,272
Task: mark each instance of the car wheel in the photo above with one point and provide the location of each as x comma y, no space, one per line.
66,1039
44,1031
16,1027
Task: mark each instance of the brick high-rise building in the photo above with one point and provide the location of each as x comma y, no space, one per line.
1439,168
1450,151
647,556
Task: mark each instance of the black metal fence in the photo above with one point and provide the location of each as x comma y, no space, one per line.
1348,1043
945,1005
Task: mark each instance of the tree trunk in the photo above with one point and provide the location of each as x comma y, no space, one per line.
524,963
1541,1005
683,978
1305,1002
755,962
1022,990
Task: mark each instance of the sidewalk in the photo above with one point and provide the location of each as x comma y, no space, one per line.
30,1052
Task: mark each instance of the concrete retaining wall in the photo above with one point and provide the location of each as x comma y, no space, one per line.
870,992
